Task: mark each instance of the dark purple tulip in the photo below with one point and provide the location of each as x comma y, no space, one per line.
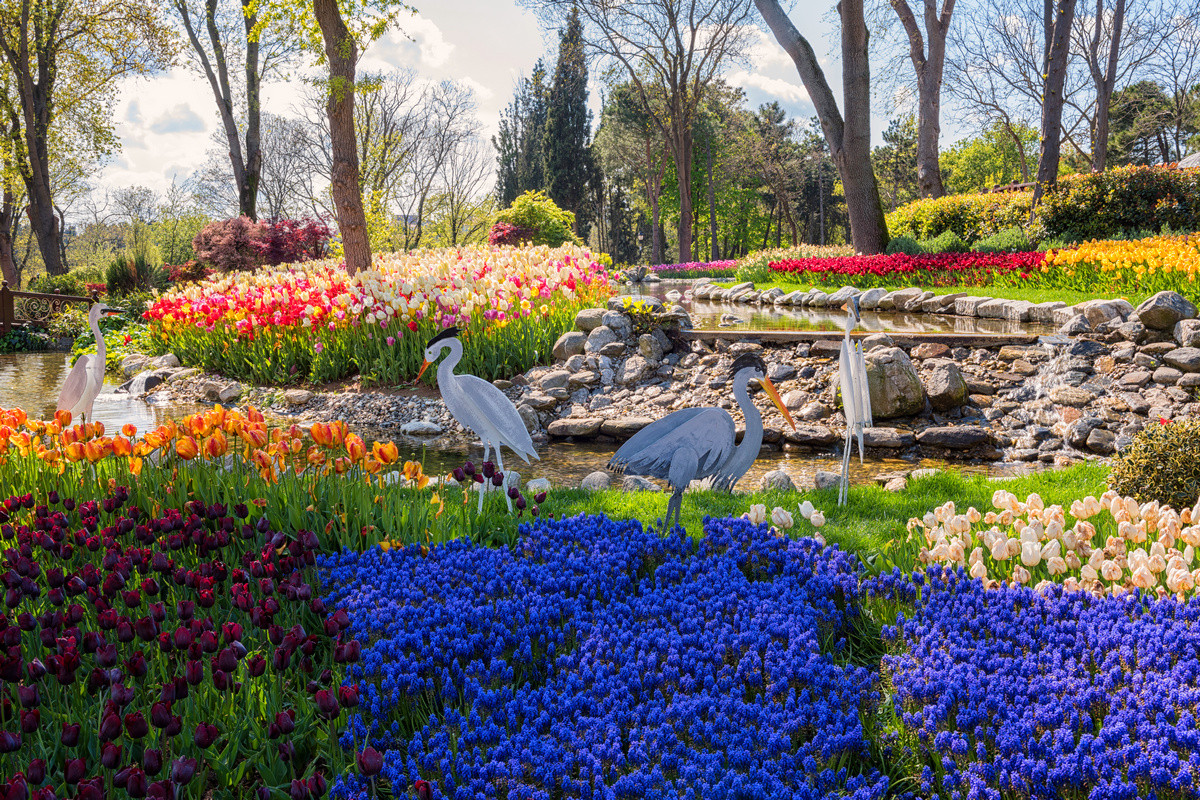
317,785
30,719
348,695
298,790
232,631
287,751
111,755
36,669
36,772
174,728
74,770
106,656
132,598
221,680
70,734
90,791
227,660
498,479
489,469
281,659
240,511
136,725
161,790
262,793
327,704
124,632
193,672
256,665
136,783
185,609
347,653
182,638
514,492
520,504
28,696
285,722
469,468
478,478
110,727
152,761
160,712
205,735
136,665
123,695
540,497
146,629
52,497
370,761
183,770
16,789
208,641
459,475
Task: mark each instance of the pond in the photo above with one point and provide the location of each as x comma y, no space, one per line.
32,381
714,315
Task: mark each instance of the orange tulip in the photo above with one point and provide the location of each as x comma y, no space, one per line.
372,466
322,435
135,466
94,450
385,453
342,465
122,446
197,425
70,435
255,437
62,417
261,460
95,429
187,448
216,445
339,431
74,452
356,448
22,442
254,415
316,456
129,429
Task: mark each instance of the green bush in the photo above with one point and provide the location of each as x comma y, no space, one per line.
904,244
544,222
1009,240
1103,205
71,321
971,216
946,242
73,283
1162,463
127,275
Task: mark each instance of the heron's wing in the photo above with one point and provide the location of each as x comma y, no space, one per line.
75,385
851,399
860,362
491,408
708,431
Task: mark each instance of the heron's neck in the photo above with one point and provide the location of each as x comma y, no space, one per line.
95,325
446,368
752,440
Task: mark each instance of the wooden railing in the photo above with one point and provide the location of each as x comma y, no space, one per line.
24,308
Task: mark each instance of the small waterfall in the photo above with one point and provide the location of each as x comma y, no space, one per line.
1052,373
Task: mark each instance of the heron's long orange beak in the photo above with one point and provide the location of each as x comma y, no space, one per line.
424,366
773,393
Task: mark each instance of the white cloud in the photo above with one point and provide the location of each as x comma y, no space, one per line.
419,43
776,88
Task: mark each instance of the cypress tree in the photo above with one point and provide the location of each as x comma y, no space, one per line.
520,163
568,122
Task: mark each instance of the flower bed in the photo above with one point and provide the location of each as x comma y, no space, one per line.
600,660
1143,266
312,322
1015,693
697,269
940,269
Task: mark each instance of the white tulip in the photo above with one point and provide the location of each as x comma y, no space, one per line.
757,514
1096,559
1073,561
1000,550
807,509
1052,549
1111,571
1143,578
1056,565
1021,575
976,555
781,519
817,520
1070,584
978,570
1088,574
1031,554
1035,501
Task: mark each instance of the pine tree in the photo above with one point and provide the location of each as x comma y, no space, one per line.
520,164
568,122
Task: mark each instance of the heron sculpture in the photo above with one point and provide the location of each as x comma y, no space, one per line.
86,378
856,395
698,443
478,405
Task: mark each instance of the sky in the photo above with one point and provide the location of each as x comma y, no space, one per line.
165,122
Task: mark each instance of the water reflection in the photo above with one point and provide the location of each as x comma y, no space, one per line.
32,380
706,315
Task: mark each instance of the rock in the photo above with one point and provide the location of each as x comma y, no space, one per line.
1158,349
574,426
1132,331
1086,348
165,361
992,309
1044,312
297,397
770,296
1163,311
618,323
1186,359
421,427
230,392
636,483
814,411
1167,376
818,299
943,303
598,338
777,479
1102,441
596,481
779,372
826,348
969,306
538,485
1187,333
930,350
650,348
569,344
555,379
1017,310
842,296
583,378
1136,378
502,384
624,427
826,480
589,319
528,416
945,387
877,340
1098,311
1070,396
134,363
613,349
183,375
1076,325
143,382
897,484
961,437
664,341
541,402
869,300
888,438
1078,431
1011,352
810,436
894,385
633,370
794,399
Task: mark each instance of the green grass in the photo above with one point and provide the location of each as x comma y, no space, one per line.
1001,292
872,524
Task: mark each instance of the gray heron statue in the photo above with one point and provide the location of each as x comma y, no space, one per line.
856,395
86,378
478,405
698,443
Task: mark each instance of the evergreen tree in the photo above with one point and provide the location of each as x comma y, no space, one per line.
520,164
567,124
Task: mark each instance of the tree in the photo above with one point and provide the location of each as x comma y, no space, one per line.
993,158
928,56
849,139
263,51
1058,46
70,54
568,123
1176,68
519,143
675,48
897,162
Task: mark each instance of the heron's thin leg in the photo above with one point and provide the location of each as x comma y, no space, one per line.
844,486
504,485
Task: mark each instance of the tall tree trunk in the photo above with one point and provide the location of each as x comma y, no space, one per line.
1052,96
8,261
849,140
347,197
1106,81
248,192
928,66
653,192
712,204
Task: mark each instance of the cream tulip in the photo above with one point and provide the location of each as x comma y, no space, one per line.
1031,554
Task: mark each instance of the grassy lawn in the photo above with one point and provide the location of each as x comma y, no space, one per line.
873,522
1004,292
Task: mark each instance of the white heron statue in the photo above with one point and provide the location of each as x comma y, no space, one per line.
478,405
856,395
697,443
87,376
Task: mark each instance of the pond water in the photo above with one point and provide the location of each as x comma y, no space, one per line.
709,315
32,381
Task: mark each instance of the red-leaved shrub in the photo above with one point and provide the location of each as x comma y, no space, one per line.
505,233
242,244
188,271
285,241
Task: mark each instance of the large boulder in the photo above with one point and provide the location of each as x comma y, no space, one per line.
1164,310
574,426
1101,311
589,319
650,348
619,323
596,481
1187,333
633,370
600,336
1186,359
945,385
895,387
569,344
